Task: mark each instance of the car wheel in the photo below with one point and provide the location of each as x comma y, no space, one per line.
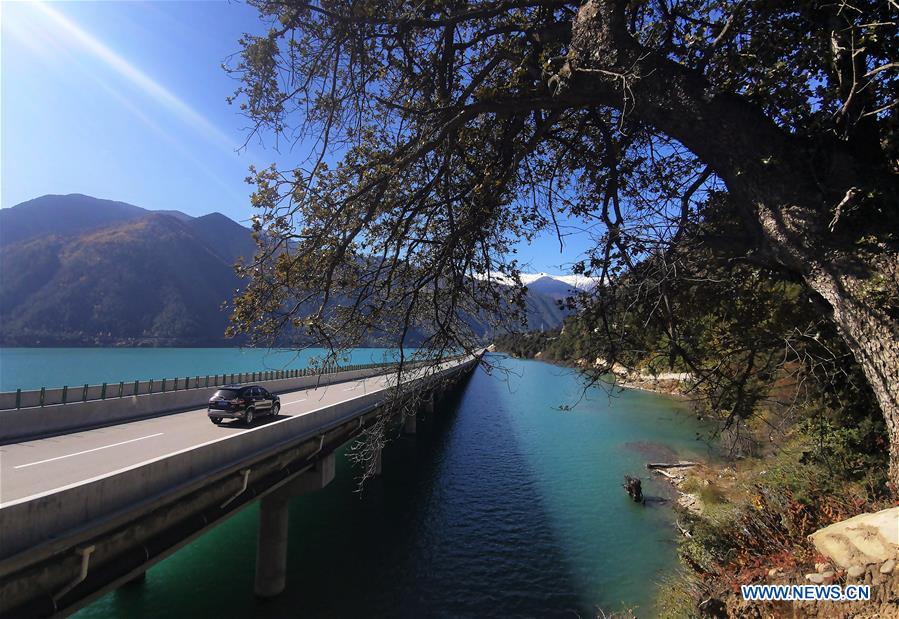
248,419
276,409
216,420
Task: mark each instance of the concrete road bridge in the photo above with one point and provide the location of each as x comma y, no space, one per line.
90,507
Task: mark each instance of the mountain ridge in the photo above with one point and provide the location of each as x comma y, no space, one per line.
82,271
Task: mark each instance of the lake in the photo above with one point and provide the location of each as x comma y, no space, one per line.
502,505
33,368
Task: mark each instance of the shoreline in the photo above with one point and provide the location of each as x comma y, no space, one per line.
663,384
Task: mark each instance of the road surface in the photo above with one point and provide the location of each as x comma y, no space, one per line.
51,464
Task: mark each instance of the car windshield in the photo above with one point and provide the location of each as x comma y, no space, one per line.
225,394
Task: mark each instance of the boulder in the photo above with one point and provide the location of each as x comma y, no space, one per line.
822,567
815,579
863,539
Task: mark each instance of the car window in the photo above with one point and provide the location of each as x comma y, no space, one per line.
226,394
264,393
253,392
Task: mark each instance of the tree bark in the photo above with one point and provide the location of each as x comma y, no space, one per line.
770,174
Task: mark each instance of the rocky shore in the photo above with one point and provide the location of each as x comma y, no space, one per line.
860,550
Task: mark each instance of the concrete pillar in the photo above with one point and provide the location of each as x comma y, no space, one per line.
378,463
271,548
409,424
428,404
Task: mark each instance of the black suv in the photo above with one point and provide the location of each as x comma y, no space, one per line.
242,402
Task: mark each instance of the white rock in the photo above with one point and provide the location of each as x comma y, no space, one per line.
822,567
888,566
864,539
815,579
855,571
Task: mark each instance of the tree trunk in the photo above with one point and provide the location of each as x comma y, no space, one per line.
850,282
768,171
874,341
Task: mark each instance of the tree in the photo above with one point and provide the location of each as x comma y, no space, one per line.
445,130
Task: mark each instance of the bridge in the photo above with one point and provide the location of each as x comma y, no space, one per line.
90,507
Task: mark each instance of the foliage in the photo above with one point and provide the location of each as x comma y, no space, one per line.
825,470
455,139
691,138
149,279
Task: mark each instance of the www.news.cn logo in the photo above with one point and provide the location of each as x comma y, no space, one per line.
802,593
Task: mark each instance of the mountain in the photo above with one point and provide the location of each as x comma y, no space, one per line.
225,237
546,301
577,282
77,270
143,281
66,215
549,286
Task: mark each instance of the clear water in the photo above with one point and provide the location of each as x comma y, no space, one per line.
33,368
502,505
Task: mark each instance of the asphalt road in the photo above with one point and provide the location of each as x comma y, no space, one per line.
44,465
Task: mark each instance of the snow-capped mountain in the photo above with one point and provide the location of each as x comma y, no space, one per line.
578,282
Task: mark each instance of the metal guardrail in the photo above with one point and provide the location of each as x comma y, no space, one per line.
38,398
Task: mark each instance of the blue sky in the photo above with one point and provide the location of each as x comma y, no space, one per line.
126,101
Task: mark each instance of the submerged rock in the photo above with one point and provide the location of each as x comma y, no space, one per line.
634,487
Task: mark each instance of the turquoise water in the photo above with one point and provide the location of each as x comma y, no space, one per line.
502,505
33,368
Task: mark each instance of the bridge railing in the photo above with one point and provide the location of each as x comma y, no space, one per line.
151,483
43,413
38,398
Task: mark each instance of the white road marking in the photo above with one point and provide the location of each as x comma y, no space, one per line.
112,473
87,451
295,401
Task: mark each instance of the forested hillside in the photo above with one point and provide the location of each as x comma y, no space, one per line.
81,271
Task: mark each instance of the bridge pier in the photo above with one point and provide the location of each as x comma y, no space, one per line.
428,405
410,423
271,549
378,463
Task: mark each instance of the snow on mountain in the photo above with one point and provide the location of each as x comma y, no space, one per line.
575,281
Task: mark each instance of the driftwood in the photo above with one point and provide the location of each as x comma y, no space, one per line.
634,487
669,465
665,473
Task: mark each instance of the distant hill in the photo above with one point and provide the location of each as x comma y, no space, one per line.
545,299
551,287
147,281
80,271
66,215
225,237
